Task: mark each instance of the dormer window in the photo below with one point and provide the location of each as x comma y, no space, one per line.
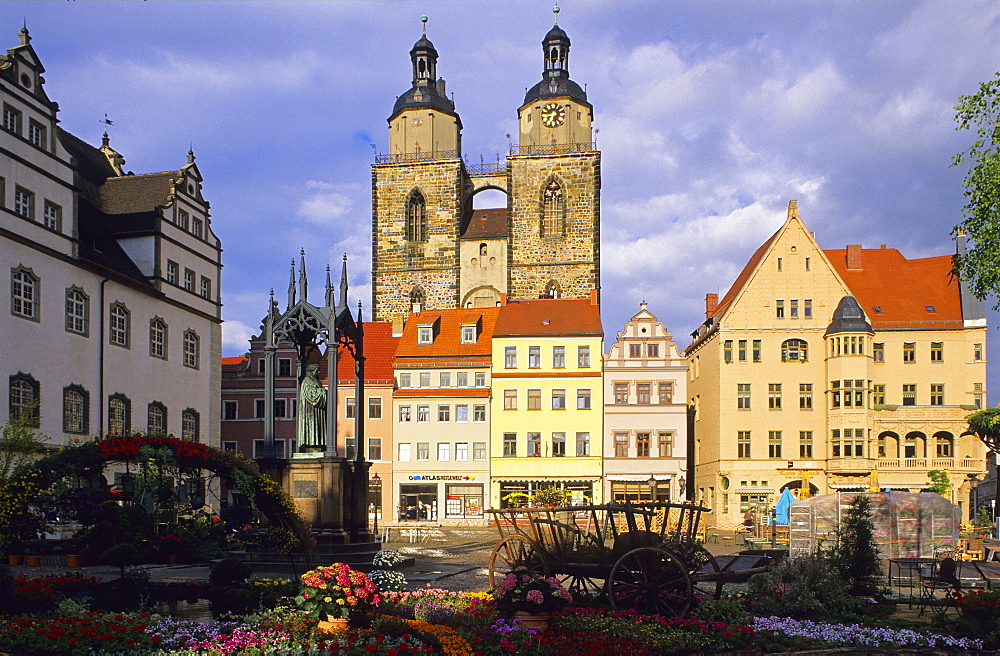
877,309
931,308
469,333
425,335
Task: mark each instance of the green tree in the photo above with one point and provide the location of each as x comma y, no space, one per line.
19,443
979,267
856,555
940,482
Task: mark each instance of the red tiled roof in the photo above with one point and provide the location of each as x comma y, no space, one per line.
448,338
380,349
902,288
487,224
549,316
418,391
239,359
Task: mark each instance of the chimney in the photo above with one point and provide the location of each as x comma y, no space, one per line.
854,257
503,300
593,297
711,304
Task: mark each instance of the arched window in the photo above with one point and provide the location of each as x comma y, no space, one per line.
24,399
794,350
119,326
416,299
483,250
189,425
77,311
552,210
24,293
156,419
416,217
191,349
119,414
75,409
551,290
158,338
944,445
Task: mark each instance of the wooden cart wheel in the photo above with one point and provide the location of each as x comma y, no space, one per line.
652,581
516,551
583,586
708,581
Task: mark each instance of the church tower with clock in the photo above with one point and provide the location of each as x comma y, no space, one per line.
555,183
432,250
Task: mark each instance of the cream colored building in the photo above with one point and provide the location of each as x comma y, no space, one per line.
645,413
113,322
547,399
844,368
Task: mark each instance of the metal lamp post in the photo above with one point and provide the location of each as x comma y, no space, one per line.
377,484
973,497
652,488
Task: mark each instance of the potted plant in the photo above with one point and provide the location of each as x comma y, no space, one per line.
551,496
33,554
530,598
15,552
170,546
335,592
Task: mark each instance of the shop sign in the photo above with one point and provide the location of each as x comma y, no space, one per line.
442,478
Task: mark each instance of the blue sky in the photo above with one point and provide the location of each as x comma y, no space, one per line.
712,115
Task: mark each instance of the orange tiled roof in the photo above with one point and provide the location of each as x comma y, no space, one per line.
549,316
448,340
460,391
487,224
239,359
380,348
903,289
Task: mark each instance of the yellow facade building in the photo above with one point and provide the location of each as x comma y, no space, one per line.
547,399
838,370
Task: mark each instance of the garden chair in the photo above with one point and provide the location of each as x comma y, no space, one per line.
943,576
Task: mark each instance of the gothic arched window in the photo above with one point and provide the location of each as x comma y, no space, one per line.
551,290
416,217
552,210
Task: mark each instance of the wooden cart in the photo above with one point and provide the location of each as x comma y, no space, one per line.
641,556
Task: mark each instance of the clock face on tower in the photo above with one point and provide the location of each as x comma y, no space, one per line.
553,115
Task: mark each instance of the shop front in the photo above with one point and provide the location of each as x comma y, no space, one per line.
518,493
640,488
440,498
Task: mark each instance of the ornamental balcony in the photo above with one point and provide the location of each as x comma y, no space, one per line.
409,158
554,149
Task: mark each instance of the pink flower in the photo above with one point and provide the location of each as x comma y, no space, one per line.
535,597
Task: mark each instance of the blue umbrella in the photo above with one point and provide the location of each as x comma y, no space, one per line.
781,508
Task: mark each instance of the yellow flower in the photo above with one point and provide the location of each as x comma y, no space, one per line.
327,599
340,602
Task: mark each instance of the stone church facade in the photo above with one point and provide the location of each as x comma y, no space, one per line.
432,250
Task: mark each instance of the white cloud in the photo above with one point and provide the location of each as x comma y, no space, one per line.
325,208
235,337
